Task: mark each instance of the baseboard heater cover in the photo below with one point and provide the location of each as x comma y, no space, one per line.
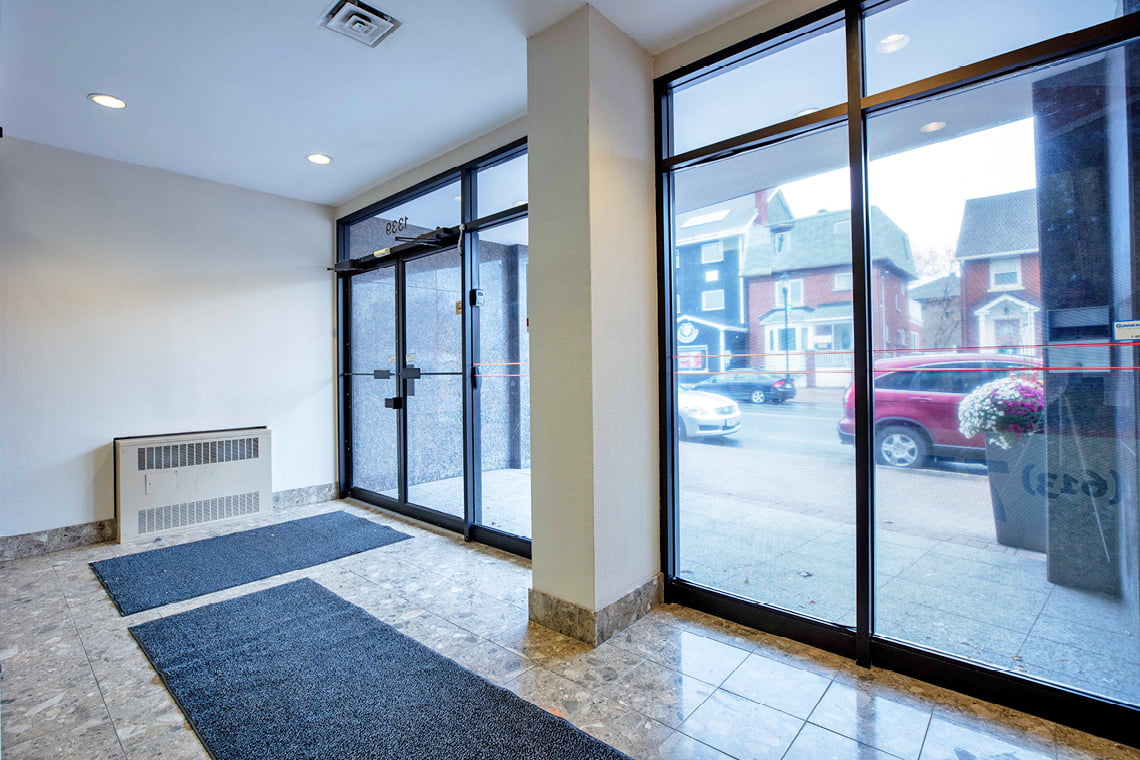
167,482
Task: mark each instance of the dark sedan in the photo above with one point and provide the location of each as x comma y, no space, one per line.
746,385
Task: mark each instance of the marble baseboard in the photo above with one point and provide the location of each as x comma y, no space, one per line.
299,497
73,536
56,539
595,626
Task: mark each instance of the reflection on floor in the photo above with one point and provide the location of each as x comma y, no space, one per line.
783,532
678,684
506,499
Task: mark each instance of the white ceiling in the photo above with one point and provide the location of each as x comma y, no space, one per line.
241,91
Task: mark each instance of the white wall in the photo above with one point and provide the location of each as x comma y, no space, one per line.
469,151
138,301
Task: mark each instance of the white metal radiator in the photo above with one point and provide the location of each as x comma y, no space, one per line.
166,482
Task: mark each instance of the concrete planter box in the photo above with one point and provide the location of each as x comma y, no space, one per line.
1019,509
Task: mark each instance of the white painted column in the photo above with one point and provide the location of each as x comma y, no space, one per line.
593,328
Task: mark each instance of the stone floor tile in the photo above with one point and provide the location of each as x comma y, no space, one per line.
550,691
489,660
875,714
777,684
593,667
622,728
681,747
742,728
658,692
946,740
68,743
815,743
533,641
681,649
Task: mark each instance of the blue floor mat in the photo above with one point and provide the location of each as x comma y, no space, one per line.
297,672
151,579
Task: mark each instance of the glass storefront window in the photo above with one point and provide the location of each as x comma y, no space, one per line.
502,186
789,82
765,490
392,226
1011,546
504,378
920,38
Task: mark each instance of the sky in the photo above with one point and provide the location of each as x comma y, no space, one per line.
925,190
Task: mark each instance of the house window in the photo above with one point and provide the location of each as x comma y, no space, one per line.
712,275
1005,273
782,240
712,300
795,290
842,281
712,252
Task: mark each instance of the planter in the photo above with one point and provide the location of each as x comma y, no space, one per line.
1019,508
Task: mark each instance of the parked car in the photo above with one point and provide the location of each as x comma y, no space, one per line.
749,385
916,402
701,414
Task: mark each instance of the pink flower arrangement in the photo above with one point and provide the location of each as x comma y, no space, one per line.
1007,409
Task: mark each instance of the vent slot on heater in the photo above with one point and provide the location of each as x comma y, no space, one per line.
163,483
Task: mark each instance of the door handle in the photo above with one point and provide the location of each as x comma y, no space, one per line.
395,402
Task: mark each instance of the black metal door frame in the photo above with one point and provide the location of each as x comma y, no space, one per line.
465,238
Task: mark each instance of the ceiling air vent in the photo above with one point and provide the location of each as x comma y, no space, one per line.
358,21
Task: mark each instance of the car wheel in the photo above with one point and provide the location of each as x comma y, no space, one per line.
758,396
899,446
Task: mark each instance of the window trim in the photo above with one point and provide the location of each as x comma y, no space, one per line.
705,297
778,293
712,252
1015,271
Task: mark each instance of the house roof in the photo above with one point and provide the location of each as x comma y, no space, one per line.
828,312
715,221
823,240
949,286
999,224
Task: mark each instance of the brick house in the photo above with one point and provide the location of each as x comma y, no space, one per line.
1000,262
799,281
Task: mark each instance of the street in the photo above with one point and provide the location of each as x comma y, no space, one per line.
788,457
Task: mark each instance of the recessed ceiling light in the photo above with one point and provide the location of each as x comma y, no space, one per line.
107,101
806,111
932,126
892,43
458,198
319,158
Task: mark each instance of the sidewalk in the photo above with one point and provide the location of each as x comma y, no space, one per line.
831,396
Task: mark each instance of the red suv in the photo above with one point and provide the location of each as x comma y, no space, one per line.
916,405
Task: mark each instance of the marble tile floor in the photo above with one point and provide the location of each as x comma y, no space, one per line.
677,685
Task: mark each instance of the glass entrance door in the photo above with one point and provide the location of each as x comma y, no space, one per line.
432,378
407,383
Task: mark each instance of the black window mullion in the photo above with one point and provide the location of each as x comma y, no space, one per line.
668,344
861,331
472,449
344,368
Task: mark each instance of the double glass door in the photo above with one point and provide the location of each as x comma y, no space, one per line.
407,383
